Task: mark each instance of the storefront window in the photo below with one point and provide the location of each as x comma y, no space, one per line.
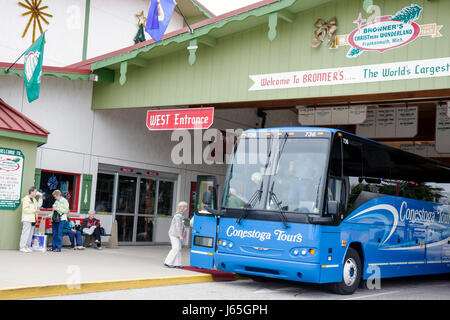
67,183
147,194
126,194
104,192
165,196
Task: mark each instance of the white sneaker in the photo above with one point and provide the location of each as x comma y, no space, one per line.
29,249
24,250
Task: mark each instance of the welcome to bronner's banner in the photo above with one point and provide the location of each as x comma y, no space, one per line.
384,33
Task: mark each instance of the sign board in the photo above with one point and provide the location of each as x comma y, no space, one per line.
386,32
331,115
442,129
180,119
404,70
395,122
11,174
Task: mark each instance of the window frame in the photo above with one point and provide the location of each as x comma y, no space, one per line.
76,187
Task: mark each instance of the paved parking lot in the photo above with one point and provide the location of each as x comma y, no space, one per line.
412,288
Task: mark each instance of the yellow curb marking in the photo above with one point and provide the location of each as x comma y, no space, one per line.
89,287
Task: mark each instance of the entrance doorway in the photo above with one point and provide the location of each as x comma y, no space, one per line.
141,201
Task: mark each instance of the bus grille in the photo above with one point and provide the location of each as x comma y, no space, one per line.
262,270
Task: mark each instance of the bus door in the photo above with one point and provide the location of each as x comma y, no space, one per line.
204,230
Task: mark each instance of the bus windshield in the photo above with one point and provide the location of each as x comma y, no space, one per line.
277,174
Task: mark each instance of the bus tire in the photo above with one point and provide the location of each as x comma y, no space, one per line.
351,274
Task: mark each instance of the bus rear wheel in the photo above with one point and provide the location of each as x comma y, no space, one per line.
351,274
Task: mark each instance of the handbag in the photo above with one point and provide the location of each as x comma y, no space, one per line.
56,218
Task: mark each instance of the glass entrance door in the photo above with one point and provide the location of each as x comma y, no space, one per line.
138,200
146,211
126,208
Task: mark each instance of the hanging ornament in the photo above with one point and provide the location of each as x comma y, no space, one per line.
52,183
37,14
140,36
324,28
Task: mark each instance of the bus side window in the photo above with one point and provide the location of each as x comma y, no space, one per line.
352,170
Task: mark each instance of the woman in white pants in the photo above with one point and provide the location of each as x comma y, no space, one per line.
30,208
176,233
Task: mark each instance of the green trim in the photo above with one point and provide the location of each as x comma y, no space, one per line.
123,73
273,21
199,32
86,28
23,136
69,76
86,188
193,46
37,177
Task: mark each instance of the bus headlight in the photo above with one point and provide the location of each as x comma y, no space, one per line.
224,243
230,245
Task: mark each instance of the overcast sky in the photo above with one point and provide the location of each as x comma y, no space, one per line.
219,7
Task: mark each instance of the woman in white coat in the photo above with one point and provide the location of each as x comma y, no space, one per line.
176,234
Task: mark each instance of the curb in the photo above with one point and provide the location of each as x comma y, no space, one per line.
99,286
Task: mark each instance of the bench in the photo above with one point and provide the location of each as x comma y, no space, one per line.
75,220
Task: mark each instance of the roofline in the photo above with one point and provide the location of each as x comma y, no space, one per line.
87,63
44,133
201,7
19,66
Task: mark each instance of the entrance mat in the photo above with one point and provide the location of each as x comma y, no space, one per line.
216,274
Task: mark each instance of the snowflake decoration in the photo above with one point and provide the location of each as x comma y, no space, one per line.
37,14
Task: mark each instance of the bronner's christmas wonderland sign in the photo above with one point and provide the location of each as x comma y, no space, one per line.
387,32
11,173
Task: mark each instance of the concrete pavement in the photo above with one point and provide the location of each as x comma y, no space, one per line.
38,274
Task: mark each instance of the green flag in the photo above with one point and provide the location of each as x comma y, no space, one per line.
32,68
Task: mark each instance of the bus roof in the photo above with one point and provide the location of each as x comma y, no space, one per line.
332,131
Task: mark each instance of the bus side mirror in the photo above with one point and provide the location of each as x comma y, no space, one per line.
206,197
333,207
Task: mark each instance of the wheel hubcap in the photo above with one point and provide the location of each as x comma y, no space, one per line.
350,272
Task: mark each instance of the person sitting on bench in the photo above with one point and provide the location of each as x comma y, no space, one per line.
74,233
91,226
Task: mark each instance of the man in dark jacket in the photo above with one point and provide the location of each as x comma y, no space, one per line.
91,226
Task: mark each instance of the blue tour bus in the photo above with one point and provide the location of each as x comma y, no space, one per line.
324,206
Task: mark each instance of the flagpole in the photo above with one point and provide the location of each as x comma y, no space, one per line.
7,69
190,29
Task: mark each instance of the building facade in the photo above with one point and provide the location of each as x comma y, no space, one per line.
378,69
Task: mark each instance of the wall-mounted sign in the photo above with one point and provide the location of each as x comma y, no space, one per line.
399,122
386,32
430,68
11,173
180,119
310,116
126,170
442,129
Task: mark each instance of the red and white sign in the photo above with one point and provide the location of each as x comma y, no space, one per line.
180,119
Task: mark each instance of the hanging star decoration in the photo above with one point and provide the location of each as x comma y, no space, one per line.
324,28
37,14
142,20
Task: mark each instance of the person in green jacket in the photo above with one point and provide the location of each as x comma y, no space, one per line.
61,206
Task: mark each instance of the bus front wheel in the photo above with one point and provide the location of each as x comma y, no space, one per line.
351,274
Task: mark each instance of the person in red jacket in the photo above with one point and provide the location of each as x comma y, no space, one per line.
91,226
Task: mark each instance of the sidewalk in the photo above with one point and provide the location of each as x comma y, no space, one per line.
49,273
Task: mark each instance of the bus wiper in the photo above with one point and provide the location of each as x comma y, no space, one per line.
275,199
250,204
